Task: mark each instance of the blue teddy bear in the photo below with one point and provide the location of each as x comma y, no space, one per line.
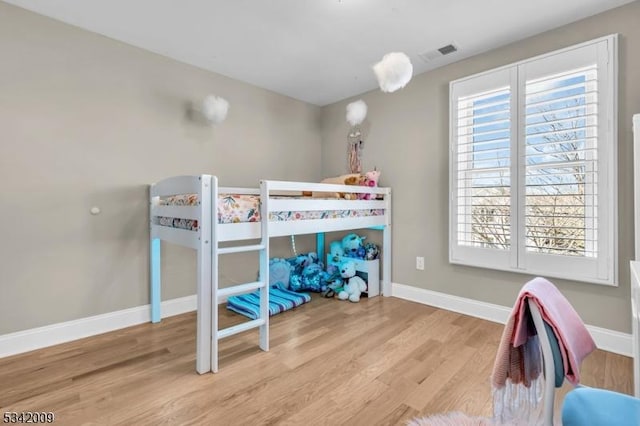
353,246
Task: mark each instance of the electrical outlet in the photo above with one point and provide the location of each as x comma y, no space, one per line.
420,263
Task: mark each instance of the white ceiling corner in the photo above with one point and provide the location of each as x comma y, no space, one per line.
317,51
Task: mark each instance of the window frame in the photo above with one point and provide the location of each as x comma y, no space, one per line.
602,269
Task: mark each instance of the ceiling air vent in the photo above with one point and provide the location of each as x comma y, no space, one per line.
449,48
438,53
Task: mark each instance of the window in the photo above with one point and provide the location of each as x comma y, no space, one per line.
533,148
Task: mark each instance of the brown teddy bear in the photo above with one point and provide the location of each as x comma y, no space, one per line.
348,179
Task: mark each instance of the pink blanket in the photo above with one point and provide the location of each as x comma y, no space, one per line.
514,360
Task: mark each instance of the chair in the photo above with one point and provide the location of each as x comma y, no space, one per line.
599,407
582,406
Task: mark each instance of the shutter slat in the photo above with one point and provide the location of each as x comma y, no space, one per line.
558,111
563,251
588,139
590,101
484,151
477,134
561,132
564,216
485,142
584,71
479,120
532,93
551,227
550,165
472,109
487,169
553,205
479,117
541,172
592,117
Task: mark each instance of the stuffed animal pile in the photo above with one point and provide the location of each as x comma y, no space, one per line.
343,281
306,272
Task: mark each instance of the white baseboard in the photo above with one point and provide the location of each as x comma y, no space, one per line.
41,337
608,340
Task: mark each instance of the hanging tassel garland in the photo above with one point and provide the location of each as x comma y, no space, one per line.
354,153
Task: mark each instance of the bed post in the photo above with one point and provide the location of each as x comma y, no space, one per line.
204,316
215,277
386,261
320,246
264,264
386,251
154,263
155,278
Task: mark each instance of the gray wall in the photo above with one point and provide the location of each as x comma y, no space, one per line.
407,138
87,121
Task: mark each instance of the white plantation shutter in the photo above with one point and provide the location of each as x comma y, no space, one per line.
532,166
483,160
482,167
561,168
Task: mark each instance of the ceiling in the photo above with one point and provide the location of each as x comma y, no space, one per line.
317,51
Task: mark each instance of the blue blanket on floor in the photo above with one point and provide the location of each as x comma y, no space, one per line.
279,300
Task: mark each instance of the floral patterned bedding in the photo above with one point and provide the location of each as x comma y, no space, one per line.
235,208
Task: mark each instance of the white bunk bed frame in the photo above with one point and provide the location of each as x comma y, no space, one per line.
206,239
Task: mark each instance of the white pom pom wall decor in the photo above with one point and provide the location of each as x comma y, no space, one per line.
356,112
393,72
214,109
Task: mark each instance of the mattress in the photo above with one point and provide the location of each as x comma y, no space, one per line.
280,300
236,208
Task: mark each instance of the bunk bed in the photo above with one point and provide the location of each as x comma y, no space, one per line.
189,211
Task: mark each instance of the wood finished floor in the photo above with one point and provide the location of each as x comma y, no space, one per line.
382,361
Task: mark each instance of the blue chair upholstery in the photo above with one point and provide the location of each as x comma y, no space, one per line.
586,406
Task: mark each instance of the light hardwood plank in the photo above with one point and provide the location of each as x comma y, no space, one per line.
378,362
